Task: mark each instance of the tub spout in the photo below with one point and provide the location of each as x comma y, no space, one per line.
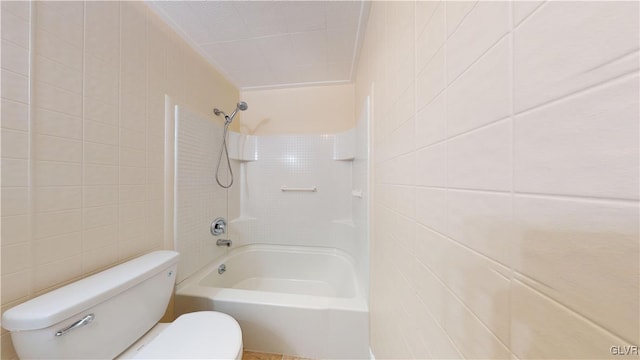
224,242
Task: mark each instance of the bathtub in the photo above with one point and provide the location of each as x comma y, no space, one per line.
300,301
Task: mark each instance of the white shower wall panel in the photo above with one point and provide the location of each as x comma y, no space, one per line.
302,218
198,199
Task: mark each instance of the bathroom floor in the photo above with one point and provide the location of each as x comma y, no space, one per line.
250,355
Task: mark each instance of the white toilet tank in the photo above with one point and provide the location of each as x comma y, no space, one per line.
117,305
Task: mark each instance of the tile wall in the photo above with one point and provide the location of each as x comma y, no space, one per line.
83,89
506,152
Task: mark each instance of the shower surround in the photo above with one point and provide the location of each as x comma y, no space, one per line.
299,257
306,190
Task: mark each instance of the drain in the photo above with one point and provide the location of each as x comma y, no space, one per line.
222,268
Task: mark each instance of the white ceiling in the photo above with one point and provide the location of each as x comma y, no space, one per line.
268,44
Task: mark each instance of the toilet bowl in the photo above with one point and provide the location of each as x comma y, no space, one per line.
115,314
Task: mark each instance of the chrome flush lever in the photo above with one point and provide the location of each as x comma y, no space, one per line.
82,322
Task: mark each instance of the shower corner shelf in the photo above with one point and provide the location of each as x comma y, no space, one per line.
242,147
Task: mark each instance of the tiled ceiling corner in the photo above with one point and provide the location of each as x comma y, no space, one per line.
268,44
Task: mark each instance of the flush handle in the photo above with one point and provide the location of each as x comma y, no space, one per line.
82,322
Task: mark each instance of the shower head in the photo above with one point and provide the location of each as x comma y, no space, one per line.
242,106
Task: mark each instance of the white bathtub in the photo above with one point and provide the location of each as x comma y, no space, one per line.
289,300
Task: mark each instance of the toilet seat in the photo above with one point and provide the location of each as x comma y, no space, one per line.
198,335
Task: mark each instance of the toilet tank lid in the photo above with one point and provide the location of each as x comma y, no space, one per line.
67,301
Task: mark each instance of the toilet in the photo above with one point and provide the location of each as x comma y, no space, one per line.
115,314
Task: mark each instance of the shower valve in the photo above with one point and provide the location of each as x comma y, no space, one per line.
218,226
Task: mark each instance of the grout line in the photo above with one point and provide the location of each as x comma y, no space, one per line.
465,306
419,32
581,198
476,129
536,10
415,78
31,166
582,91
17,44
479,58
51,186
46,135
18,101
65,66
27,158
464,246
511,161
113,204
60,112
471,250
15,73
60,211
4,99
517,194
617,59
428,61
17,14
145,214
43,238
359,41
471,191
119,256
59,88
565,307
461,21
455,346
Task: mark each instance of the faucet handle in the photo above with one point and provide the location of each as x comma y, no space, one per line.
218,226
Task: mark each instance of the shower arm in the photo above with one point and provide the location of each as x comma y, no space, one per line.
242,106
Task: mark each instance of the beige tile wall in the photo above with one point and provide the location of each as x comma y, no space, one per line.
83,88
506,151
